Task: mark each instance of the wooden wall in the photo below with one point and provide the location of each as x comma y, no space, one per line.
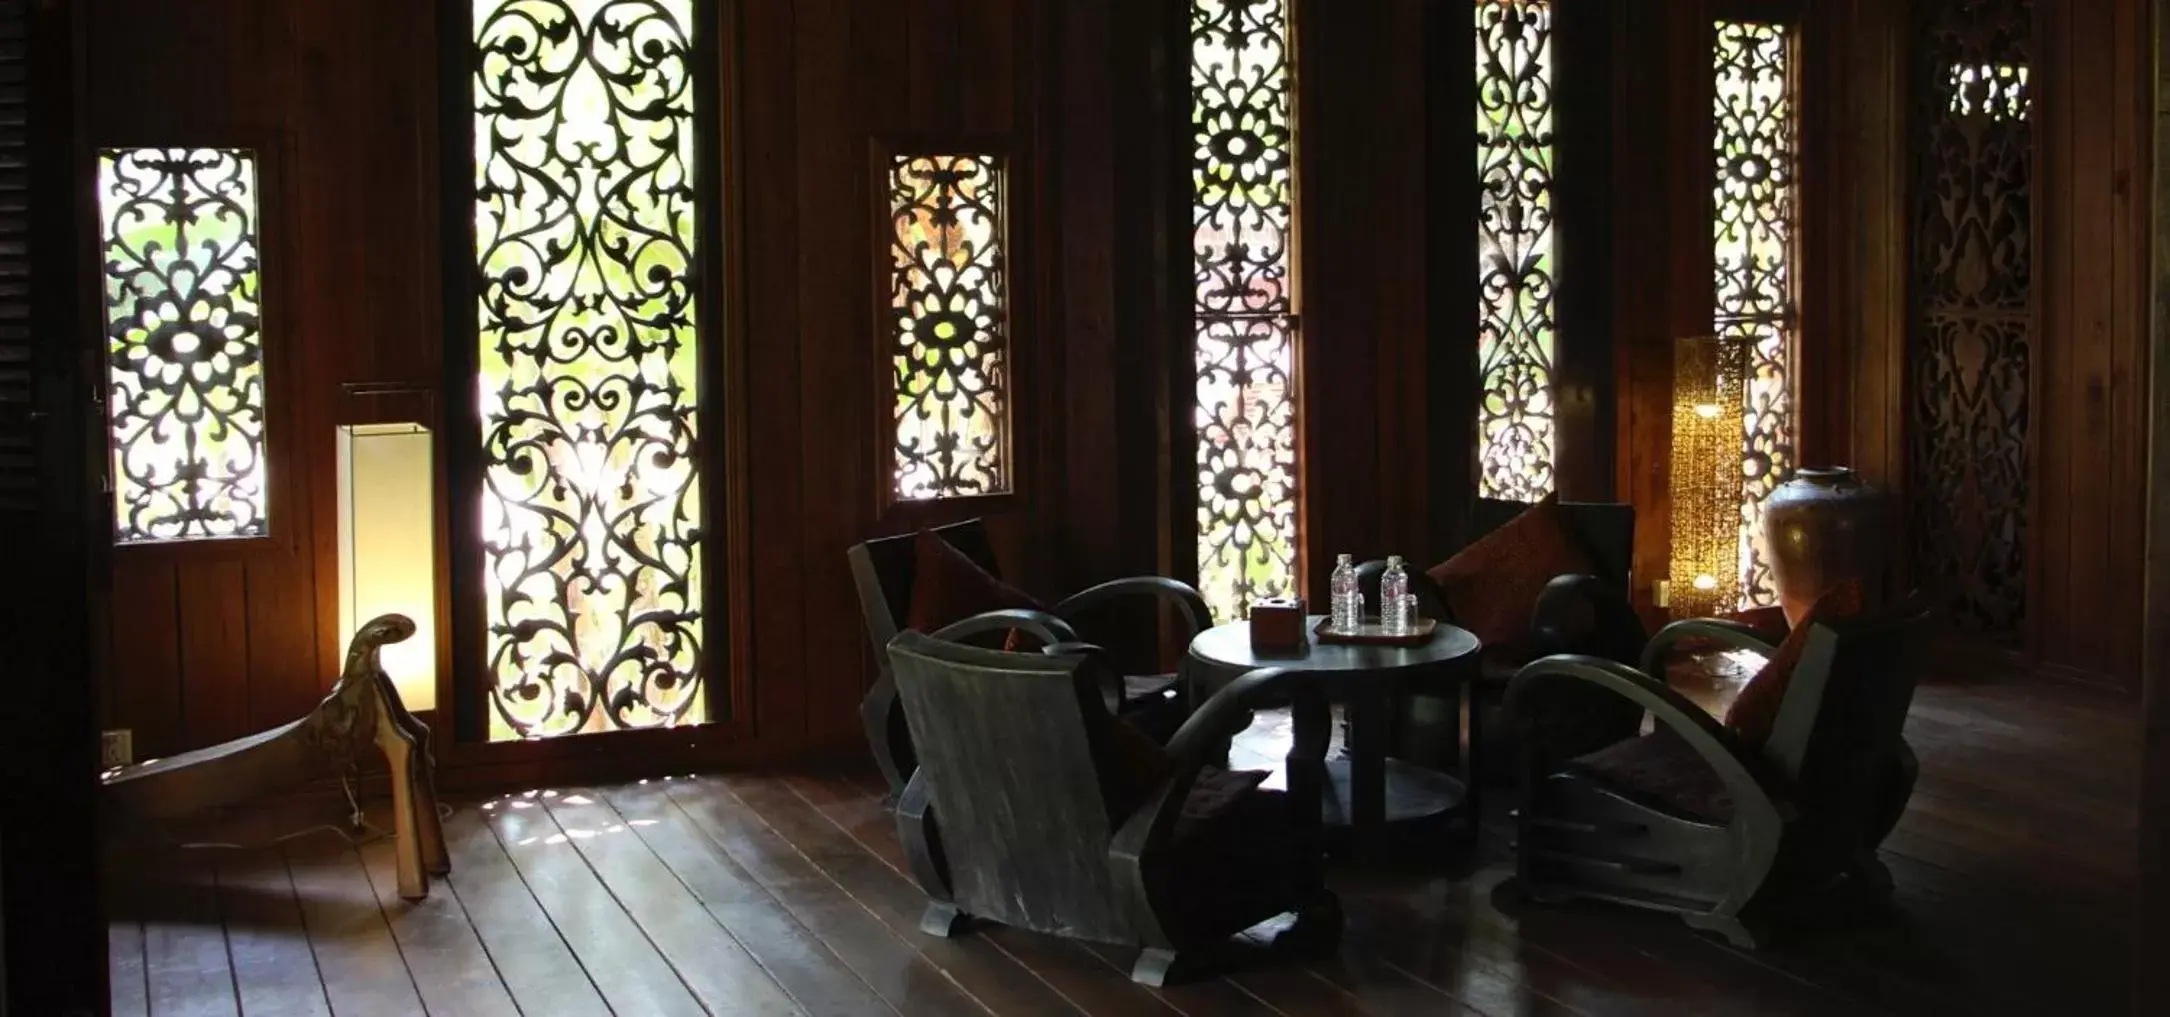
2090,355
211,642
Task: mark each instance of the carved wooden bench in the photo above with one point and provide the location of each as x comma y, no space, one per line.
363,709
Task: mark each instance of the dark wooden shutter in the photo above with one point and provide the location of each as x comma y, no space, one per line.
54,929
18,459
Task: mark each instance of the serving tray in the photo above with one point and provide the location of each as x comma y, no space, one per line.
1373,633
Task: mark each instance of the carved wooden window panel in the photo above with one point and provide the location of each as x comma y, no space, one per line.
1971,339
180,260
588,254
944,280
1516,325
1756,205
1244,307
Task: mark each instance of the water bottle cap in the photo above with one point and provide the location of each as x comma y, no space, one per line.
1393,560
1345,559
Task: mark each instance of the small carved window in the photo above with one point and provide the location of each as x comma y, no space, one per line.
587,254
1756,201
184,343
948,299
1245,325
1515,316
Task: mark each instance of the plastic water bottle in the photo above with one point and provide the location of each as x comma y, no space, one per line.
1393,592
1348,599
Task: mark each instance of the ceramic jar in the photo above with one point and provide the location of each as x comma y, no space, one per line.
1822,527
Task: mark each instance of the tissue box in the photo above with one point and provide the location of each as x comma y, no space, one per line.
1277,626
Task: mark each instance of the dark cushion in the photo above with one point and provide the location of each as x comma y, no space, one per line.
1491,586
948,587
1660,770
1132,764
1755,708
1228,874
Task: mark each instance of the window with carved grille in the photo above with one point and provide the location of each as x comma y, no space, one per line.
587,254
184,343
948,295
1970,342
1756,204
1515,324
1244,308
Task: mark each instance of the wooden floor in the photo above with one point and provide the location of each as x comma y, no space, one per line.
783,894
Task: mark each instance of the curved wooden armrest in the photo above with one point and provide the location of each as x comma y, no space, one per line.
1045,627
1195,744
1188,602
1755,797
1585,614
1733,634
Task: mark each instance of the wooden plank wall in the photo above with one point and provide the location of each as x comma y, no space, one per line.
2089,405
2091,359
209,643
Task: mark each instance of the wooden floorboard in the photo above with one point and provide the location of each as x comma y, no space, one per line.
452,971
624,964
187,970
538,967
787,893
889,963
794,955
361,964
724,978
274,968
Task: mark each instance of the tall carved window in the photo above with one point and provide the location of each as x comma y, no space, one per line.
1244,301
948,293
587,254
184,343
1970,348
1756,202
1514,249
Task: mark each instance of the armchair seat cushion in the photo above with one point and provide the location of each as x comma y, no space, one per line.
1231,868
1660,770
1491,586
948,587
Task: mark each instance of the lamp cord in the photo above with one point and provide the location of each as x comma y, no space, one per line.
364,831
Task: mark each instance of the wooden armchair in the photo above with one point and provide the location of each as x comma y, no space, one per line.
363,710
1690,819
884,570
1589,614
1039,829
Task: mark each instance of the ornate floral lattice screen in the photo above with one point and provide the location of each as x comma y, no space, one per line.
1514,249
586,250
947,290
184,343
1244,304
1756,203
1971,338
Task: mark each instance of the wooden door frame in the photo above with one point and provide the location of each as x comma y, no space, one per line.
2151,978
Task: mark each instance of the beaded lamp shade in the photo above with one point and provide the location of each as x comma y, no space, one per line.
1710,382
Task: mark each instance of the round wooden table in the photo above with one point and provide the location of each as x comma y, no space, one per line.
1365,790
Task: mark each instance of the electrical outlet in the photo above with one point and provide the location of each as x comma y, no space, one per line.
116,748
1661,593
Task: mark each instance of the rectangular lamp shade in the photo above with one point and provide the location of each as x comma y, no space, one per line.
1710,385
388,546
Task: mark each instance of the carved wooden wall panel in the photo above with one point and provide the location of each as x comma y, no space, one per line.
1971,346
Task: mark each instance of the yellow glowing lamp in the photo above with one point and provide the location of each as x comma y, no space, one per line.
388,546
1710,383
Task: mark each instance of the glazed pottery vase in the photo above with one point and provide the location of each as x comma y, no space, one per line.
1823,527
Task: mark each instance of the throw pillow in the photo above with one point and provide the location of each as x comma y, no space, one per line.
1755,710
1491,586
948,587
